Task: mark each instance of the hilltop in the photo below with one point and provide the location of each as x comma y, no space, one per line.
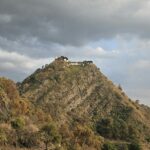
86,108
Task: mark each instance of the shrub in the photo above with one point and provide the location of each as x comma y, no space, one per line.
50,134
84,135
10,88
28,139
122,146
133,133
120,129
18,123
104,127
3,137
134,146
147,139
5,133
109,146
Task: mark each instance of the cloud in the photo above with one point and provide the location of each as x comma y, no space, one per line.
142,64
27,62
21,63
70,22
15,62
99,52
13,59
141,94
5,18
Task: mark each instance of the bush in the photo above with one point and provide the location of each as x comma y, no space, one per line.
104,127
18,123
28,139
148,139
122,146
120,129
84,135
109,146
50,134
5,133
134,146
133,133
3,137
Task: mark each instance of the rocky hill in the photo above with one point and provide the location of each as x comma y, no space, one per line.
87,109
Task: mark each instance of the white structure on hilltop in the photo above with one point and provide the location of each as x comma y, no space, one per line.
75,63
63,58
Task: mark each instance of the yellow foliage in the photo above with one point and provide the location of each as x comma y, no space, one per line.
85,136
10,88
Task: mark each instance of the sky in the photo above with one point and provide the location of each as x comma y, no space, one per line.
114,34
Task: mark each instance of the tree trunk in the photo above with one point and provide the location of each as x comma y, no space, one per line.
46,145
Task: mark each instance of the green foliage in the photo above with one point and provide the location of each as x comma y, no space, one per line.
132,133
10,88
135,146
109,146
84,135
147,139
104,127
18,123
33,79
3,137
120,129
50,134
116,129
72,71
122,146
28,139
55,77
122,112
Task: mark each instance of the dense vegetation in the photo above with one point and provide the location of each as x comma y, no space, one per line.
70,107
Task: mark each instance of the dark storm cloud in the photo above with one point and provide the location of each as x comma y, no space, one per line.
71,22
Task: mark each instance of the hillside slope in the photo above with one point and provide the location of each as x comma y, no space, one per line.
79,94
70,106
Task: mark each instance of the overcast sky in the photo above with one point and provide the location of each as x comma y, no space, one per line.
114,34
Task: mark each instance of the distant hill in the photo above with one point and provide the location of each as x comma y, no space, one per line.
74,99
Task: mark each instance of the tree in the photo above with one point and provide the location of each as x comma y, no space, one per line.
18,123
50,135
134,146
28,139
109,146
104,127
3,137
119,87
